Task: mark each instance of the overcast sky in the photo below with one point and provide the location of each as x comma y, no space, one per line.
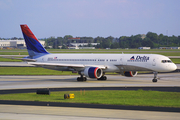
90,18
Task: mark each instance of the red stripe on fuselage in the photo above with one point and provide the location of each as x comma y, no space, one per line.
25,29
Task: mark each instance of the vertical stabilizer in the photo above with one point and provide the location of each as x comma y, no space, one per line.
34,47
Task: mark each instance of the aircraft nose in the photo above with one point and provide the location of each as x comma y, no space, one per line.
172,67
175,66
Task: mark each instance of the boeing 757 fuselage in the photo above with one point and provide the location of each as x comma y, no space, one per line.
94,65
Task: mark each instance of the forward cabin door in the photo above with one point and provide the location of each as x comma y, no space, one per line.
154,62
121,60
121,64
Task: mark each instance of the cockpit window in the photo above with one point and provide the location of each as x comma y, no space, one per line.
166,61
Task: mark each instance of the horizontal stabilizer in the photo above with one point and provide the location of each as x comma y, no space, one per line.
23,59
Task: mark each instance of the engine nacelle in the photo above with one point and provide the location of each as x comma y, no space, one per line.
93,72
129,73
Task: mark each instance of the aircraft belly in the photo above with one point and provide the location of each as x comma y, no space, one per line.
132,68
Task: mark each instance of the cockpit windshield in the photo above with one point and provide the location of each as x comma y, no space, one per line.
166,61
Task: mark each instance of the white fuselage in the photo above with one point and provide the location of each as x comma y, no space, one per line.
112,62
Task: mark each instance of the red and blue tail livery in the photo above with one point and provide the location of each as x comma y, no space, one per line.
34,47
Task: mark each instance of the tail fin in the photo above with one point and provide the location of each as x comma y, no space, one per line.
34,47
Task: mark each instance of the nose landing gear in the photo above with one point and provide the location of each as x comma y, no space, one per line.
155,77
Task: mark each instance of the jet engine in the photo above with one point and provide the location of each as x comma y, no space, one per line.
93,72
129,73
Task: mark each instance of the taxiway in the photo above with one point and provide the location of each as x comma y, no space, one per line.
141,80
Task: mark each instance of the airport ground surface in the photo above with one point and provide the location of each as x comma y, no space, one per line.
141,80
21,112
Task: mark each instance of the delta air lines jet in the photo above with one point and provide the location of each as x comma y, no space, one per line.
94,65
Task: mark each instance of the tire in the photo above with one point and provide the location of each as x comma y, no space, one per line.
81,79
154,80
102,78
84,78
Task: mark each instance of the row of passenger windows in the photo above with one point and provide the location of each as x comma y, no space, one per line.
71,60
166,61
102,60
113,60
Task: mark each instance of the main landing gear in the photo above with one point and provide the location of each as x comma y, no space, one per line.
155,77
102,78
81,78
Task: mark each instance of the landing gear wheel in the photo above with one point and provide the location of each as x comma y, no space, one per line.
84,78
102,78
78,79
154,80
81,79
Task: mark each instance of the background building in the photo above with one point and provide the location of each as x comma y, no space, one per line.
169,47
145,48
15,44
81,43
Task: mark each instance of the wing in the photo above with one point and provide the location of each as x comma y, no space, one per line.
66,65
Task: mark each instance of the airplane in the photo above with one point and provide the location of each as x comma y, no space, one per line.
94,65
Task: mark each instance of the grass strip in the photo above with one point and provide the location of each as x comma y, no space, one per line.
175,60
112,97
14,53
9,60
32,71
165,52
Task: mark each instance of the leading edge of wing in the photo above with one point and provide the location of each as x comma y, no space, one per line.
65,65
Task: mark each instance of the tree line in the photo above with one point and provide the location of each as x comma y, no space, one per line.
151,39
135,41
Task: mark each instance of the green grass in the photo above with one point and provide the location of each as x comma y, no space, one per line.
14,53
32,71
151,51
113,97
176,60
8,60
